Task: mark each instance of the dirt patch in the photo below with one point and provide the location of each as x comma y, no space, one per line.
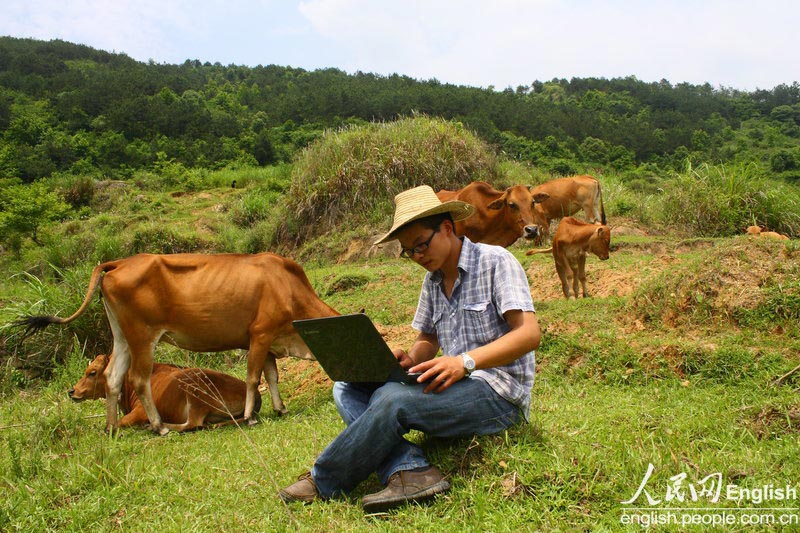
397,336
603,278
726,281
772,422
307,375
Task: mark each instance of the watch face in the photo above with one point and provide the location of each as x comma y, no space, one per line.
469,363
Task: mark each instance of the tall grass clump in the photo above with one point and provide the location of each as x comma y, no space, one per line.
723,200
352,175
38,355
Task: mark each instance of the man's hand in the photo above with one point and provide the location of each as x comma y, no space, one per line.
403,358
441,372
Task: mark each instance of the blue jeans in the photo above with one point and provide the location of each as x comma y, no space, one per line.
379,415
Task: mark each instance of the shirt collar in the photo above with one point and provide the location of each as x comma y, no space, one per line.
465,260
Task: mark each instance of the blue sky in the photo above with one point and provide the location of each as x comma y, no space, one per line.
503,43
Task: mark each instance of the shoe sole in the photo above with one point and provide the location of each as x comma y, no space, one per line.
420,496
288,498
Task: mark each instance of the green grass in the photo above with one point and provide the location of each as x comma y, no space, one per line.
608,401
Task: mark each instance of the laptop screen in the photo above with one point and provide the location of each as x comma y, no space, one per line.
350,348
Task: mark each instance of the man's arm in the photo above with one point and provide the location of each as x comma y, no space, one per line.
523,337
424,348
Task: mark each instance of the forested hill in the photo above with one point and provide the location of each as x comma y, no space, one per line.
73,109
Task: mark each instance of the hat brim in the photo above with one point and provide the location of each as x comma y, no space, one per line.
458,210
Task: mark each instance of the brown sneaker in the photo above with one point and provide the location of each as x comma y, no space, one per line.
406,486
303,490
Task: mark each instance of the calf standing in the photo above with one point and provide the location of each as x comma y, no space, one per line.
573,239
186,398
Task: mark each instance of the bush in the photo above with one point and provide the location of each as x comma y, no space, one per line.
723,200
26,208
351,176
44,351
78,191
164,240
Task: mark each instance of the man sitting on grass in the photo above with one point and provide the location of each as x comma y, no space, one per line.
476,307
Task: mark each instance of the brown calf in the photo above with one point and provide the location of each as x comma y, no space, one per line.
186,398
567,196
573,239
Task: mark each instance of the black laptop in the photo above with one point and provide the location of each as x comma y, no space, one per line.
349,348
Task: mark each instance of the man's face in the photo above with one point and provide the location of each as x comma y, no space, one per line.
425,246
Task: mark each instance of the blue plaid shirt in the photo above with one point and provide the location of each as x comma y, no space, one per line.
491,281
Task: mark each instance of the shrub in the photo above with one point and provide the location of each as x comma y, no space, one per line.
723,200
40,354
164,240
254,207
78,191
351,176
26,208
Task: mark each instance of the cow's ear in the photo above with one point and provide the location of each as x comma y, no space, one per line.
498,204
105,359
540,197
600,231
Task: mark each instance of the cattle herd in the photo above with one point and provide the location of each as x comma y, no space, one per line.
218,302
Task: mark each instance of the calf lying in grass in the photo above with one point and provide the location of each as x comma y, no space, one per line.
187,398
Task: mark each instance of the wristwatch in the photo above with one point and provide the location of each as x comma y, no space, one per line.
469,363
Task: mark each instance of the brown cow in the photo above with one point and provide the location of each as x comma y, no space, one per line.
756,231
567,196
573,239
186,398
203,303
501,217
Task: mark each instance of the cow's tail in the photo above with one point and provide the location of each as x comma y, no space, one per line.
35,323
540,251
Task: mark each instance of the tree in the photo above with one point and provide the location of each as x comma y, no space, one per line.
25,208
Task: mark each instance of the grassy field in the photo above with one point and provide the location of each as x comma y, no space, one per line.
674,362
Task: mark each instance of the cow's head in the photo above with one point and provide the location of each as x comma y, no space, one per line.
600,242
92,385
519,205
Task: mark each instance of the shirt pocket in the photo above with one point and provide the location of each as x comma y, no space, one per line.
477,307
478,322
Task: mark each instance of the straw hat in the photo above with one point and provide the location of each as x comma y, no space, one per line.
421,202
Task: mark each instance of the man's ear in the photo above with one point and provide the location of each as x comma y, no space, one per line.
451,224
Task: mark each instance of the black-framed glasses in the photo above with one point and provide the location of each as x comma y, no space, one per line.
408,253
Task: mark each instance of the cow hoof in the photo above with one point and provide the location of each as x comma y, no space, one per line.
252,421
161,432
281,412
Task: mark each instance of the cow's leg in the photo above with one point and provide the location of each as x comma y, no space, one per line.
140,372
271,374
256,360
115,371
582,276
589,209
574,277
561,268
567,273
195,417
137,417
